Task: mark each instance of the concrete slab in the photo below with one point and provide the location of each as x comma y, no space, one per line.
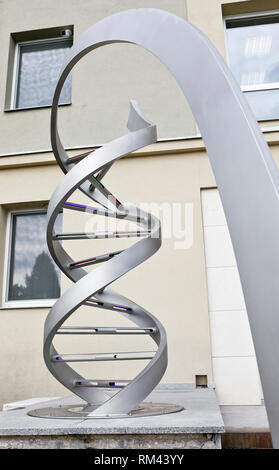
23,404
201,416
245,419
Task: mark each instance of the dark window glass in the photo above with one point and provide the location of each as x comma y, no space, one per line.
32,273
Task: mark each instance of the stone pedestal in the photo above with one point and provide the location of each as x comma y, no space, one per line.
199,425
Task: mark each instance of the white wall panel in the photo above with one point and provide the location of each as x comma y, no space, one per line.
218,247
237,380
230,334
235,370
224,289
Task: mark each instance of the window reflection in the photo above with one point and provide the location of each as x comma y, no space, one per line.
33,274
253,51
265,104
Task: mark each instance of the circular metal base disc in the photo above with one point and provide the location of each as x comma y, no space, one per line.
83,411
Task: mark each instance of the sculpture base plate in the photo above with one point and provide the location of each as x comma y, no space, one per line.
84,411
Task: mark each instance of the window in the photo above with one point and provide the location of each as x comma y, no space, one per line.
32,278
37,64
253,55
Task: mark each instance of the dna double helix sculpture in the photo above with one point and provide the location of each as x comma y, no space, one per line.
237,151
104,397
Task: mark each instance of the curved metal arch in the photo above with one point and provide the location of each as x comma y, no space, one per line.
245,172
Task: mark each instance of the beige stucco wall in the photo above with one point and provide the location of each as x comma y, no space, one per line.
172,284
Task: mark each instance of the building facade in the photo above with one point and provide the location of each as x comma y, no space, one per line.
192,284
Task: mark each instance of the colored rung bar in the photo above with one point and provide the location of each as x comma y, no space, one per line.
107,305
98,182
79,157
104,190
136,233
100,235
89,209
96,260
95,357
101,211
102,383
102,330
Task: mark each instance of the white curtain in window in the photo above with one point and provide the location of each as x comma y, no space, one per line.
38,72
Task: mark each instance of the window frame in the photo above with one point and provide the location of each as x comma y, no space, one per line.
16,64
14,304
258,14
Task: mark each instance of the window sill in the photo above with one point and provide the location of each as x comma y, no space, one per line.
28,304
11,110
